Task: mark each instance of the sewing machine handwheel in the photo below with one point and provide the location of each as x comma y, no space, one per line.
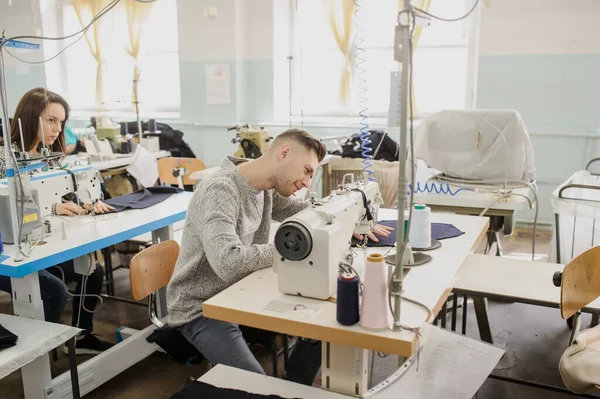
293,241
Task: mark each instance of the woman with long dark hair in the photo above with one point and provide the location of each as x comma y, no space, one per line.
44,115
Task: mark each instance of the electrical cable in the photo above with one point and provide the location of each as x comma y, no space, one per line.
83,287
365,134
48,59
508,184
107,8
431,187
448,19
4,105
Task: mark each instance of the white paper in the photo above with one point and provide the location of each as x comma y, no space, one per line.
144,167
217,84
450,366
104,145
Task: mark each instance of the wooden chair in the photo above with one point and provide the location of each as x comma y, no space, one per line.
579,284
151,270
177,171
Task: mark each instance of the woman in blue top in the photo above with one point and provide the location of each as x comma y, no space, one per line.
54,112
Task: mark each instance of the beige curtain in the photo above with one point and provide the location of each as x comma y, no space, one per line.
340,15
86,10
423,5
137,16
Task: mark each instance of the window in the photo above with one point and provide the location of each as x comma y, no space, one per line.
441,60
73,73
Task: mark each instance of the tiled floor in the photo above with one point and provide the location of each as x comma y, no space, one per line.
534,339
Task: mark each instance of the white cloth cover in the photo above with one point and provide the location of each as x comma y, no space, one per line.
477,145
580,364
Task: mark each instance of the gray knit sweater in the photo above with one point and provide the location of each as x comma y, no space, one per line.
225,238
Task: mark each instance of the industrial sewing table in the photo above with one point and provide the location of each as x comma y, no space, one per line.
85,236
501,213
256,301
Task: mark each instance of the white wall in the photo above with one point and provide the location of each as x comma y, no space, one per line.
542,57
540,27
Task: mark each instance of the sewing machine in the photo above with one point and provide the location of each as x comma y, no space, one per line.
311,244
253,141
44,188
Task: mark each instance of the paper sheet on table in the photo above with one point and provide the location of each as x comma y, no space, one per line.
450,366
144,167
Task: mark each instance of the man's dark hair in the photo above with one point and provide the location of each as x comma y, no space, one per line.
304,138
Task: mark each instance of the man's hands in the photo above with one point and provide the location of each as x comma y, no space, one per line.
379,229
72,209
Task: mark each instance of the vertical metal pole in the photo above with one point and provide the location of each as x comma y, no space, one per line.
402,182
73,369
10,177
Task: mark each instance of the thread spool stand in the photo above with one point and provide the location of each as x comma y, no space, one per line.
419,259
435,244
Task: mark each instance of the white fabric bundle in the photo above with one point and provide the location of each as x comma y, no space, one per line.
477,145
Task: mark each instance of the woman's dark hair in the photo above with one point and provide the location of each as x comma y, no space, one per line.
29,109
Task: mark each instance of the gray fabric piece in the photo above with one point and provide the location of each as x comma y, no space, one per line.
141,199
225,238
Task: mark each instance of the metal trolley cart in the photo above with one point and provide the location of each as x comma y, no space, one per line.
576,206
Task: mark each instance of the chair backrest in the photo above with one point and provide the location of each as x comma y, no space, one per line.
580,282
166,166
152,268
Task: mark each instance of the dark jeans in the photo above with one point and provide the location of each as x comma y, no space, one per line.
222,343
55,295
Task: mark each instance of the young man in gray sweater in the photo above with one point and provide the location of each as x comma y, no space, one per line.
226,237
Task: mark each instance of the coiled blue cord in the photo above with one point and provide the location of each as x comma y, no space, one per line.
362,94
431,187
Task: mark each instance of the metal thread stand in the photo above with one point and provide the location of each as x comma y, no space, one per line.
396,288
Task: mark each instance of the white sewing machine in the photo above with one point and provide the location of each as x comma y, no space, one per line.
44,188
311,244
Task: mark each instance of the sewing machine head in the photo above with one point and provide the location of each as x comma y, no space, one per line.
44,188
311,244
254,141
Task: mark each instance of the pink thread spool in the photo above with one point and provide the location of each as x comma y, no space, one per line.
374,313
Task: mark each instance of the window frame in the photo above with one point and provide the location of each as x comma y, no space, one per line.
287,46
127,111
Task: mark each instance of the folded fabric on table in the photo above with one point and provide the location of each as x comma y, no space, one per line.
198,389
143,198
439,231
7,339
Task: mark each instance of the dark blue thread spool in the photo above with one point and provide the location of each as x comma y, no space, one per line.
347,300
